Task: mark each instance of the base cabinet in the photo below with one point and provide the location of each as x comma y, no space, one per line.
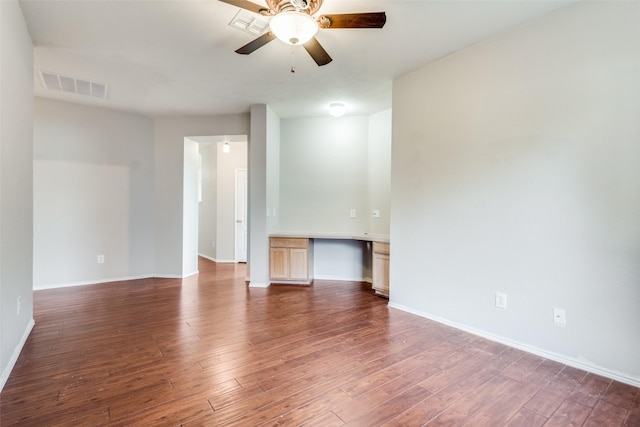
380,267
290,260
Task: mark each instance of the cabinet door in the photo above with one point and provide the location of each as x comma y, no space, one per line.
381,273
298,264
279,263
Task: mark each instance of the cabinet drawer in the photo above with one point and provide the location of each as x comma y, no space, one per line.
289,242
381,248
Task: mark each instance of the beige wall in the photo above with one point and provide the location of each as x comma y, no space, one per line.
515,169
169,134
329,166
16,182
93,194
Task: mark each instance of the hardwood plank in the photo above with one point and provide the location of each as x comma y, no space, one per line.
385,411
606,414
545,402
328,419
620,394
312,413
590,391
463,409
351,408
633,417
569,414
504,407
526,418
208,350
437,403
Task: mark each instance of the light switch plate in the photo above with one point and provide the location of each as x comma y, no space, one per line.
501,300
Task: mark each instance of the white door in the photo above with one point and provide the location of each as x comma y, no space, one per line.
241,215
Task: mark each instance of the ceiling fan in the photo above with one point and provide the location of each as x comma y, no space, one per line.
292,22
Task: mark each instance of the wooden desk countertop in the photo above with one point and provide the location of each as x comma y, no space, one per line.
336,236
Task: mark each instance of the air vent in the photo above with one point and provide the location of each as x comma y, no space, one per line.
53,81
249,22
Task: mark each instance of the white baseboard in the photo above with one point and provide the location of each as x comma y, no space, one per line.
95,282
259,285
16,354
193,273
163,276
617,376
343,279
339,279
219,261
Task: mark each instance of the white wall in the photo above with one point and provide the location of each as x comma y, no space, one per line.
379,171
207,213
169,133
273,176
226,204
323,174
329,166
190,208
264,129
341,259
16,194
93,194
515,169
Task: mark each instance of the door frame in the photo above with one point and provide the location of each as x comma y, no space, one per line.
240,242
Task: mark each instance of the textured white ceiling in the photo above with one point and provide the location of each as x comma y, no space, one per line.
177,57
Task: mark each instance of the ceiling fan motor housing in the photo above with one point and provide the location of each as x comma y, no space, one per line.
307,6
292,22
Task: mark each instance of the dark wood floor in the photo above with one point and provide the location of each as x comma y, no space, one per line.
208,351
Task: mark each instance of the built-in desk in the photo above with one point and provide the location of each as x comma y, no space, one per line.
291,257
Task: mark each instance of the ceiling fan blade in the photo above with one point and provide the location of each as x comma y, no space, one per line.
353,20
256,44
246,4
317,52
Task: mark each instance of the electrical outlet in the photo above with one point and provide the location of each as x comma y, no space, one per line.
100,259
559,316
352,213
18,305
501,300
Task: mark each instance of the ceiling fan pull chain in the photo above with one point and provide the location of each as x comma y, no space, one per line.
293,60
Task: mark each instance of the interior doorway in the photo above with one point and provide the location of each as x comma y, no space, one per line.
214,237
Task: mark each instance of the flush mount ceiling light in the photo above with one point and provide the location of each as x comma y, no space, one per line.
293,27
337,109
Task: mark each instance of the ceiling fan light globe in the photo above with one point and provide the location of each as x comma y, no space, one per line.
293,27
337,109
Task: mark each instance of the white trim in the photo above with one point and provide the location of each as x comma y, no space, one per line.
16,354
617,376
219,261
235,212
342,279
105,280
193,273
258,285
